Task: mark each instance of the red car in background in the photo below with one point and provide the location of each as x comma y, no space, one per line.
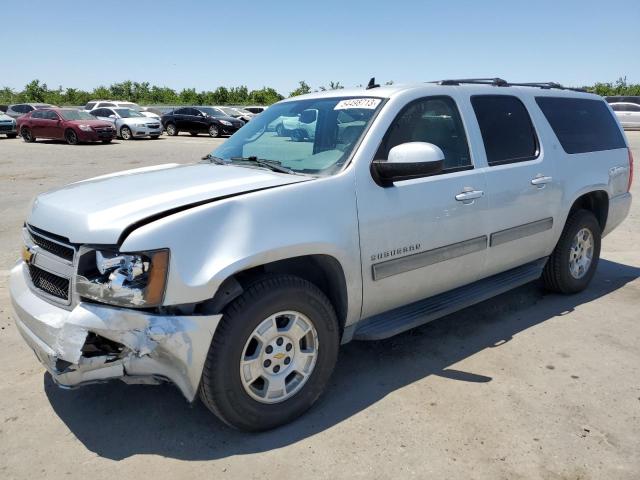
67,124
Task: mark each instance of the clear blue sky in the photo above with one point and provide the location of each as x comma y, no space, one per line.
205,44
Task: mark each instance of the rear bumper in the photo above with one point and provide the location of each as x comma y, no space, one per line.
619,207
155,347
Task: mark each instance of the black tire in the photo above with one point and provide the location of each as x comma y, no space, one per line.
71,137
12,135
214,131
193,134
125,133
557,275
27,136
171,129
280,130
221,388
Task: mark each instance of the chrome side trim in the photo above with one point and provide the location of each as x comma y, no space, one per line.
514,233
423,259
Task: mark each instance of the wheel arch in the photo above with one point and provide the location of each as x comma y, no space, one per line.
597,202
324,271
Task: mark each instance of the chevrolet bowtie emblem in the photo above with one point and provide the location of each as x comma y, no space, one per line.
27,254
279,356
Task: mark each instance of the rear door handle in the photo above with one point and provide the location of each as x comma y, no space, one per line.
540,181
468,195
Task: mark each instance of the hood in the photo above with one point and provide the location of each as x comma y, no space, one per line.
93,123
98,210
155,116
138,120
5,118
227,118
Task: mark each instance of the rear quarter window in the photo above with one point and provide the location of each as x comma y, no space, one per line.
581,124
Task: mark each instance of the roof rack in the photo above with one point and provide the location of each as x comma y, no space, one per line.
499,82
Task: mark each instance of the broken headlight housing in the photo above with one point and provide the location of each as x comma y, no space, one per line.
134,280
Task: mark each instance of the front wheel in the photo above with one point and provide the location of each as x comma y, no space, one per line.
214,131
573,262
125,133
71,137
272,354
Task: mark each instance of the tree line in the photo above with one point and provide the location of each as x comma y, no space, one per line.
146,94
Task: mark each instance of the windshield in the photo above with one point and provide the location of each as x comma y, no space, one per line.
76,115
127,113
132,106
230,111
307,136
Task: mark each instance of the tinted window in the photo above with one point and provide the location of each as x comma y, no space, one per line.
633,108
617,108
37,114
90,106
105,104
181,111
433,120
50,115
507,131
581,125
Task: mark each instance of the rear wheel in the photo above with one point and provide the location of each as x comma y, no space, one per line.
280,130
272,354
27,136
573,262
125,133
214,131
172,130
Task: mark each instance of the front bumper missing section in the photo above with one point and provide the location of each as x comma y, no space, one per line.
155,347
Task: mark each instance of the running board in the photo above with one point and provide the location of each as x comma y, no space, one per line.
388,324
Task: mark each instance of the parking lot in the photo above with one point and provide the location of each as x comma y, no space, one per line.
526,385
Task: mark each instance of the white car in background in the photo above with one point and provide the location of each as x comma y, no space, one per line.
129,123
628,114
93,104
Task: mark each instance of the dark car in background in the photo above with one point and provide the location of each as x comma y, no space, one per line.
19,109
197,120
73,126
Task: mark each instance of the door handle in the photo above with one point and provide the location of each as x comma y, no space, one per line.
468,195
541,181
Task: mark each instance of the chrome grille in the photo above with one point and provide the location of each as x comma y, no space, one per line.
153,125
56,248
49,283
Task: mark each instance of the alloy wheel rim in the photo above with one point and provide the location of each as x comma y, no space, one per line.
213,131
279,357
126,133
71,137
581,253
171,130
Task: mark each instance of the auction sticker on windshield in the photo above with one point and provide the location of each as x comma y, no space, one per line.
369,103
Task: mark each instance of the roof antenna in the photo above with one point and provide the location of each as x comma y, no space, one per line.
372,84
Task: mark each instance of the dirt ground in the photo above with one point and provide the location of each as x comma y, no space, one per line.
526,385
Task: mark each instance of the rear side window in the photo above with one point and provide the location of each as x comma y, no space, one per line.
507,131
581,125
38,114
90,106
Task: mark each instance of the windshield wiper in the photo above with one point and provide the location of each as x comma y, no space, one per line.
273,165
214,159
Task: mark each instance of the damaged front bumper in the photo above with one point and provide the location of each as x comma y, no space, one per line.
93,343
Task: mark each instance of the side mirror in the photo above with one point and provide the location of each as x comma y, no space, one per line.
406,162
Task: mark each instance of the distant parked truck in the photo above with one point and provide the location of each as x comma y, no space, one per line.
20,109
93,104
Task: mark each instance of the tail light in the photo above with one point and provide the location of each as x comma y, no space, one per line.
630,170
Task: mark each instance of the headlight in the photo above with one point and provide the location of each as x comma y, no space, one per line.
85,128
224,122
125,279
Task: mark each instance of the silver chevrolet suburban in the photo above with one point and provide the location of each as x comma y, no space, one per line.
238,277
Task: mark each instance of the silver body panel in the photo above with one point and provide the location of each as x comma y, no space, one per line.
395,245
